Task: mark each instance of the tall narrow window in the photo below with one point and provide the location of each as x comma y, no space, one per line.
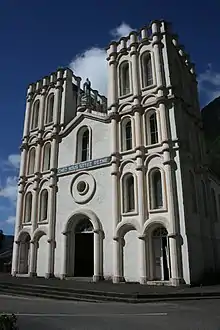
31,161
147,73
124,79
153,130
35,115
127,135
193,192
85,146
156,190
50,107
43,205
129,199
46,157
214,205
28,207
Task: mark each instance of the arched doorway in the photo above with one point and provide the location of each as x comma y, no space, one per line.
84,249
24,253
80,248
160,254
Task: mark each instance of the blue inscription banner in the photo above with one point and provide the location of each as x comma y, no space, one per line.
84,165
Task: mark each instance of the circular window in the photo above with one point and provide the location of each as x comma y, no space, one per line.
82,187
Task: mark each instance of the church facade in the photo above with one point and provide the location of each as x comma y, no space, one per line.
118,188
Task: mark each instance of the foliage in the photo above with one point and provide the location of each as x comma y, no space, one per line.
8,322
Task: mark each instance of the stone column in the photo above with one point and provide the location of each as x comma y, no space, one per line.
174,236
24,159
143,264
43,107
38,159
57,102
118,244
33,258
64,261
18,226
34,222
52,206
135,67
97,275
27,119
112,79
156,44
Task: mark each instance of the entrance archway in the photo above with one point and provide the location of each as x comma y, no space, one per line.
24,253
84,249
160,254
83,246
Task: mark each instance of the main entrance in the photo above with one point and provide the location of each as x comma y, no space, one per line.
160,254
84,249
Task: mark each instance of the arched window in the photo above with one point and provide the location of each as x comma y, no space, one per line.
129,198
193,192
35,114
83,145
31,161
28,207
126,135
152,130
124,79
156,195
46,156
204,199
214,205
50,107
43,205
147,72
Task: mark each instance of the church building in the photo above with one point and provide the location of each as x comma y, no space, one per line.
118,188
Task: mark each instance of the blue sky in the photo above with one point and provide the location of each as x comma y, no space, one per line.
38,37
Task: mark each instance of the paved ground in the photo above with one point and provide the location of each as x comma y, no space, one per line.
35,314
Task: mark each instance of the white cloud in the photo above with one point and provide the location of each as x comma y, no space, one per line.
92,63
14,160
9,190
10,220
121,31
209,84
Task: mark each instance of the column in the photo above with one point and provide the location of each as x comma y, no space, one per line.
113,86
143,264
57,102
156,44
33,260
38,156
97,275
27,115
135,67
52,207
24,160
18,226
51,231
64,261
118,261
43,109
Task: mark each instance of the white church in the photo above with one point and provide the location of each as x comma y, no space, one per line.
118,188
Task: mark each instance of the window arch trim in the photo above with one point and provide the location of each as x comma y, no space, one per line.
43,215
125,89
30,166
35,115
49,109
151,79
124,199
79,139
149,130
27,214
44,159
124,141
150,189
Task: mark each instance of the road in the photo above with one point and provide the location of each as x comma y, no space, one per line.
38,313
